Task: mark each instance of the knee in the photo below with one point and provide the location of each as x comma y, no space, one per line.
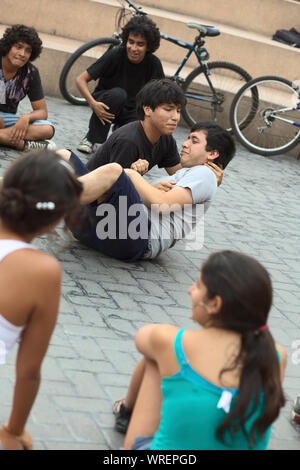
119,93
115,96
50,132
112,171
64,153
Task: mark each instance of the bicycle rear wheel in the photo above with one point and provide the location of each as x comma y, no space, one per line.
267,134
79,61
206,104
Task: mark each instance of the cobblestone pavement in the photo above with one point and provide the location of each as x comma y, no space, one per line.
104,301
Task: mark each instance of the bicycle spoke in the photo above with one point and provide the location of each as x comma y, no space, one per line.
81,61
268,133
204,103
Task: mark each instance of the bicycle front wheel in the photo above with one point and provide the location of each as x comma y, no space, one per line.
271,130
212,103
79,61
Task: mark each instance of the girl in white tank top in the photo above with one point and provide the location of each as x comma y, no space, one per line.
38,191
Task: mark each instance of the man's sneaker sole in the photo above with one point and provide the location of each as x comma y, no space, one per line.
85,148
32,145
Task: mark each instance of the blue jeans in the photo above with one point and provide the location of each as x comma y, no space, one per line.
123,247
10,119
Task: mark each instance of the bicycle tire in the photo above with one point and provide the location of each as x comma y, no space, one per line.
266,135
64,85
227,79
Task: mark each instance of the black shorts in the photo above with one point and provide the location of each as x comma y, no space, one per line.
119,226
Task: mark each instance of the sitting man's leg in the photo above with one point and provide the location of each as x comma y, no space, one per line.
97,133
112,225
36,136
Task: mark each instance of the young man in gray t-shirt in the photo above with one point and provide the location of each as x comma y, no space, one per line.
129,218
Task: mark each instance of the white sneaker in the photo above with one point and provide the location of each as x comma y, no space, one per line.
85,146
39,145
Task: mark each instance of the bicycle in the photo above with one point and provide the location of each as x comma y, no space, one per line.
209,88
273,125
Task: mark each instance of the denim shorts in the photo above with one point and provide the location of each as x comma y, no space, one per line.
142,443
10,119
125,248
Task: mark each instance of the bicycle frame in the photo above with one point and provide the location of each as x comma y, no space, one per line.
200,52
202,56
273,115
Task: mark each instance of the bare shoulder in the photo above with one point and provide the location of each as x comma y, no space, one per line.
155,336
283,354
35,263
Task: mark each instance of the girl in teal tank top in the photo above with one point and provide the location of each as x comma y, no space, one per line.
213,388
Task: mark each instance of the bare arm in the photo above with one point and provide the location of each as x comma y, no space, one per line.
151,195
283,361
34,344
156,342
99,108
39,112
172,169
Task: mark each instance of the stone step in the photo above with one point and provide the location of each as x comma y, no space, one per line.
260,16
256,53
56,51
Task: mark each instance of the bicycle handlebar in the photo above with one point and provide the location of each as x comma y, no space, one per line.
138,10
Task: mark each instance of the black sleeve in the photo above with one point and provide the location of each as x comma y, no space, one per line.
106,65
124,152
157,70
121,151
169,153
35,90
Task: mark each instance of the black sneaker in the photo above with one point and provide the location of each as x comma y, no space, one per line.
122,419
296,410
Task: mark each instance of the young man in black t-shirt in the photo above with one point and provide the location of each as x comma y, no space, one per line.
140,145
122,71
19,46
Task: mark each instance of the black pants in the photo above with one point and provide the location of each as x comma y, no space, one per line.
115,99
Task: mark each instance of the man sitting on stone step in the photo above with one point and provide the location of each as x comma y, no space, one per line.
122,71
19,46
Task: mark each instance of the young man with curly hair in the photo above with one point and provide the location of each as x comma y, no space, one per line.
122,71
19,46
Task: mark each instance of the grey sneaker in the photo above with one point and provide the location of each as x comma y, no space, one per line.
39,145
85,146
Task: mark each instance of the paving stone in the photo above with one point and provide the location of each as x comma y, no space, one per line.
85,384
84,365
6,390
83,428
86,348
44,410
90,405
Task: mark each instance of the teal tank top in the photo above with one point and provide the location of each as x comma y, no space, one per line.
193,408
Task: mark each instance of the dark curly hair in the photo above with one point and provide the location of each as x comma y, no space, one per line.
34,179
144,26
20,32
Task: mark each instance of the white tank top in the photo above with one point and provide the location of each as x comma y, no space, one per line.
9,333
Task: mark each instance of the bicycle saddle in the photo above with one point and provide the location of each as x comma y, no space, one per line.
205,30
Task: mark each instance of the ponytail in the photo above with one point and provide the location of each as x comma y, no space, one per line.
245,288
260,373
